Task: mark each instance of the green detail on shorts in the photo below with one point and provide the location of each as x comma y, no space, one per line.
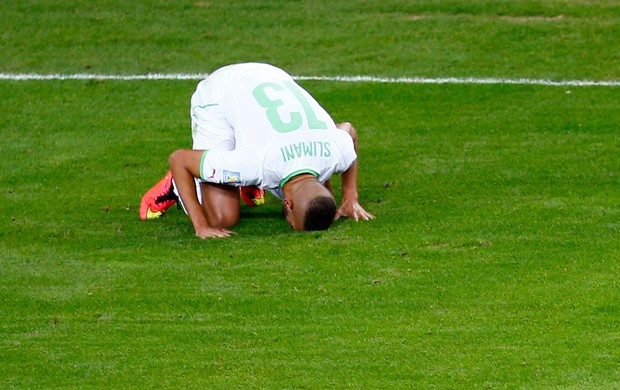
202,159
297,173
202,107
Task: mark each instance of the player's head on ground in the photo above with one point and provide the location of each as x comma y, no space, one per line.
320,213
308,205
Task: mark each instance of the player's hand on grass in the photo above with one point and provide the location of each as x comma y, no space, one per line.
209,232
353,209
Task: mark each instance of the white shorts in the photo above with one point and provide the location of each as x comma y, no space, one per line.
210,129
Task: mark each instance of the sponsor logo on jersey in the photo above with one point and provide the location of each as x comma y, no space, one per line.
232,177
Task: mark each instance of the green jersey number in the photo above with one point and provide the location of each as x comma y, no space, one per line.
296,118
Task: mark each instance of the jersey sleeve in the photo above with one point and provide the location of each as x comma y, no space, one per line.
240,167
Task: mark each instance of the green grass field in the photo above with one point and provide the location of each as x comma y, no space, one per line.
493,261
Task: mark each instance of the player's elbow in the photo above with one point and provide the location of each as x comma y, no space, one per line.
348,127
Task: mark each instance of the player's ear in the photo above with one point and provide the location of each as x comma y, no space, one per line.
288,204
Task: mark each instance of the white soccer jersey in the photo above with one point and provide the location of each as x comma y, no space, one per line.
279,129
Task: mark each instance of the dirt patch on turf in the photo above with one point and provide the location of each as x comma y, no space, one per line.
507,18
530,19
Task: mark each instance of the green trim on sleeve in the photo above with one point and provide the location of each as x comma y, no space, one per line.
202,159
296,173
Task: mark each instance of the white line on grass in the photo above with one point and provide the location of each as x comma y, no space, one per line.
347,79
82,76
463,80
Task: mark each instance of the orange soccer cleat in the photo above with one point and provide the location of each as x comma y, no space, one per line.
158,199
252,196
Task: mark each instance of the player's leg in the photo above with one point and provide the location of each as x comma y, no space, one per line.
221,204
210,130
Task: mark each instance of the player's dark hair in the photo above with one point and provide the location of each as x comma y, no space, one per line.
320,213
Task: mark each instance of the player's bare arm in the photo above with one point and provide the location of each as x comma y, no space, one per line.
185,166
350,206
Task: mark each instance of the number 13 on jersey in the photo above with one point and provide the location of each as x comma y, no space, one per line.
286,90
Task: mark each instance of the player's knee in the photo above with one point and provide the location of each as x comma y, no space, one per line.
174,156
224,218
